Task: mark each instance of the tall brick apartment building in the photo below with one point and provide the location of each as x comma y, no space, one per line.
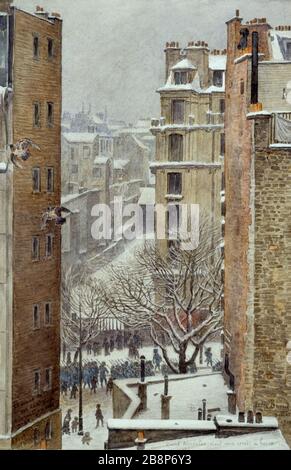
258,208
30,257
190,133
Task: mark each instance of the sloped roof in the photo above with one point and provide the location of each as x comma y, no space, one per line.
102,160
80,137
184,64
217,62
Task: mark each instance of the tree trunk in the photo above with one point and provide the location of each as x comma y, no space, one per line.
182,359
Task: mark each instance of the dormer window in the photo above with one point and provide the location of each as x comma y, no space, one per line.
218,78
181,77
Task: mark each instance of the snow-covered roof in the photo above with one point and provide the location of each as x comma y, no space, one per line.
184,64
140,144
80,137
102,160
217,62
173,424
147,196
120,164
277,40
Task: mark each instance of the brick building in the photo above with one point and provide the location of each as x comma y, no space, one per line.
30,258
257,221
190,133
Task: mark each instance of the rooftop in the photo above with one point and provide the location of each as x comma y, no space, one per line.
80,137
184,64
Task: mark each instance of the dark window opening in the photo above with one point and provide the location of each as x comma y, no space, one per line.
48,378
242,87
221,106
35,46
36,180
36,114
174,183
222,144
35,248
36,385
50,48
97,172
50,180
178,111
181,78
218,78
48,431
49,245
74,169
48,314
36,317
176,148
50,114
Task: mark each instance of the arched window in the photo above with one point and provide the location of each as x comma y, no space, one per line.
175,148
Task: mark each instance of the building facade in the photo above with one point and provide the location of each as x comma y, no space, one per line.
30,257
190,133
257,323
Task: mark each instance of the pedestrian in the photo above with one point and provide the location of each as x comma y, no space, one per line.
93,384
109,386
64,351
102,374
112,343
74,391
64,388
95,349
99,416
208,355
119,340
69,360
106,345
66,422
157,359
75,424
86,439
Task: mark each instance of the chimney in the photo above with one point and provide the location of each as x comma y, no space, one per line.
39,11
173,55
255,64
237,13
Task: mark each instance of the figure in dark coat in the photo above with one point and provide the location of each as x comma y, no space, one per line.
99,415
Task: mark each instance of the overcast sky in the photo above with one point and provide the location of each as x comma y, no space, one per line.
113,49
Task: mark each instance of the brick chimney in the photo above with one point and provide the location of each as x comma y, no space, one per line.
173,55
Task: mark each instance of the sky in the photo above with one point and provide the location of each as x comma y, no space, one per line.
113,50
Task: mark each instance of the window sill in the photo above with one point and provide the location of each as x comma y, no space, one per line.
174,196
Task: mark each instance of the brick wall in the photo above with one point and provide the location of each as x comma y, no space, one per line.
35,282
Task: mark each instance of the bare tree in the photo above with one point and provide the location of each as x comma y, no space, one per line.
177,296
82,311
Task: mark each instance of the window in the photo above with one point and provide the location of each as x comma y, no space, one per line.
97,172
74,169
178,111
221,106
176,148
48,431
50,180
174,183
50,114
36,317
35,47
181,78
48,313
48,378
173,219
222,144
218,78
35,248
49,245
288,51
242,87
36,384
86,151
72,153
50,48
36,114
36,180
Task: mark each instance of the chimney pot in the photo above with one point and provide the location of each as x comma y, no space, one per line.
237,13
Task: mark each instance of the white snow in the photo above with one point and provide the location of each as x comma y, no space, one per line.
101,160
276,49
184,164
272,440
174,424
281,145
3,167
120,164
259,113
210,386
147,196
214,89
217,62
184,64
80,137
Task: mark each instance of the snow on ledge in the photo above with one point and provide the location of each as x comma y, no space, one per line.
258,113
185,164
168,424
280,145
